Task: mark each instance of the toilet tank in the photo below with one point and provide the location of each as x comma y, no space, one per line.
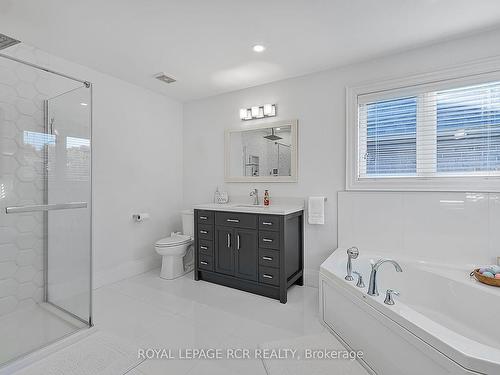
188,222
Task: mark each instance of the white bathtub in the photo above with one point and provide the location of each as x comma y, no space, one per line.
443,322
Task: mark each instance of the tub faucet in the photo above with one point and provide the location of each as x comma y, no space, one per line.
255,194
352,253
372,287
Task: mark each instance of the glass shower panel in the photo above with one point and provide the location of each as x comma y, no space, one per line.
68,182
45,236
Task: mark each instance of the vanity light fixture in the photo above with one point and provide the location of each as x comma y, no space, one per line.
257,112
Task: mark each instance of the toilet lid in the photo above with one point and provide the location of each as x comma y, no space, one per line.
173,240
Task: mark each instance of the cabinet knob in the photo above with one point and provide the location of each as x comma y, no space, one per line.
203,218
266,276
267,240
267,223
204,263
267,258
232,220
203,247
203,232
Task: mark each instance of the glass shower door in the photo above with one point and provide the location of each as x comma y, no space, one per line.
68,183
45,208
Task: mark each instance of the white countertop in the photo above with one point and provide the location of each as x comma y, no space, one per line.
273,209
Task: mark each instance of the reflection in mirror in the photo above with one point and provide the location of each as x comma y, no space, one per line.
263,153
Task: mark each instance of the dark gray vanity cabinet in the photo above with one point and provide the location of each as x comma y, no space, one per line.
236,252
257,253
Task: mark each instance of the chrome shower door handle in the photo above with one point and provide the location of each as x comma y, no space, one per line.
45,207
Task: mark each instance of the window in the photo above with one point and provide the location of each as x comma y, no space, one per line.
444,135
468,130
390,138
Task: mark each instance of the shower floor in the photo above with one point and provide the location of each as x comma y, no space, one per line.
26,330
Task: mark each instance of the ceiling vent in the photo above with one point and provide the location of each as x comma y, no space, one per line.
7,41
164,78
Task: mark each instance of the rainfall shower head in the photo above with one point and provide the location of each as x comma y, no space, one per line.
272,136
7,41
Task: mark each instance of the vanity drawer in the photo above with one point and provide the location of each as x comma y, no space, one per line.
269,222
205,247
269,258
269,240
205,217
236,219
205,262
269,275
205,232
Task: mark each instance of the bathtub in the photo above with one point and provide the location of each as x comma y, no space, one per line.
443,321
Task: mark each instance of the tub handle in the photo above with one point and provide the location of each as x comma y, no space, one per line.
388,296
360,283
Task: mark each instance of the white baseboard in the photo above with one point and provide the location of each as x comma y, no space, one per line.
311,277
125,270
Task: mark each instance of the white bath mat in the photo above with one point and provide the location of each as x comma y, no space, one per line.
302,366
98,354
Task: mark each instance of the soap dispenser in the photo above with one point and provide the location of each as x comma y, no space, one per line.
267,200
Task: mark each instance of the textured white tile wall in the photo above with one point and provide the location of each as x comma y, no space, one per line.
21,182
453,228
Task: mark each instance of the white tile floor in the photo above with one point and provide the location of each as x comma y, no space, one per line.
153,313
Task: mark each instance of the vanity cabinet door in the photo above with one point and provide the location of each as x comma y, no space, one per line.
224,255
246,254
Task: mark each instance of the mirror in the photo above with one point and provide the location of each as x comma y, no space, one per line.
263,153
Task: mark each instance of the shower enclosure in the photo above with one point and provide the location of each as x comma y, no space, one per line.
45,207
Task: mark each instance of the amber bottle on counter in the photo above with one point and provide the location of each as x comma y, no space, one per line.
267,201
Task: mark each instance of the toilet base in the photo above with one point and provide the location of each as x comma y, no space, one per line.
172,267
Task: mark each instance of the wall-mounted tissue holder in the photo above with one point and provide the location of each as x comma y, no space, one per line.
140,217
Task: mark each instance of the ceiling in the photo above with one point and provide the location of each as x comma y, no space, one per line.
207,44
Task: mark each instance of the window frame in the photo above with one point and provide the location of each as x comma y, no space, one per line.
482,71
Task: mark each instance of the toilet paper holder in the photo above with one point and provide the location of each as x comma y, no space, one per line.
140,217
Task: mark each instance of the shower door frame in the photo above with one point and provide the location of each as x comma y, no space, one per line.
88,85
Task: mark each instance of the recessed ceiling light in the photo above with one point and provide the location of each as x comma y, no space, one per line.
83,104
259,48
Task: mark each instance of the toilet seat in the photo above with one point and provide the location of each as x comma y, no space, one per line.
174,240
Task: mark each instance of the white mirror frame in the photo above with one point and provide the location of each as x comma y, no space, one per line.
294,153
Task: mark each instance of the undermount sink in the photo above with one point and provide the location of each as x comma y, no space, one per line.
250,205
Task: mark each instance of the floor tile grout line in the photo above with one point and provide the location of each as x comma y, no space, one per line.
135,367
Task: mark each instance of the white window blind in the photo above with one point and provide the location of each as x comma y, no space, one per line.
450,132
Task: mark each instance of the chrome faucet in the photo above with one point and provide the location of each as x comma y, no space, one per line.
352,253
255,194
372,287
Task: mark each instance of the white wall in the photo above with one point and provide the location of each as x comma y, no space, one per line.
137,167
318,102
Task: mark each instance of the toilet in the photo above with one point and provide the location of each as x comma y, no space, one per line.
177,250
